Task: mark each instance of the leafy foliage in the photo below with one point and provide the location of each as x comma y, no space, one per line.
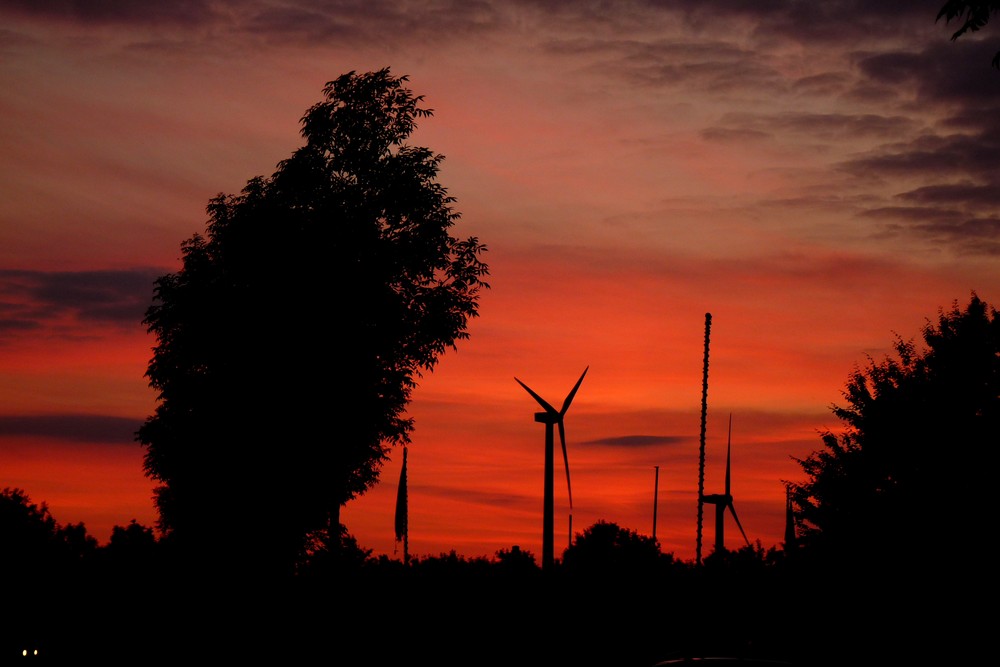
972,15
607,548
914,458
329,553
515,561
33,546
289,343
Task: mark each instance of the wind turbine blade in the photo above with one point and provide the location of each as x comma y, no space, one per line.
569,399
562,439
732,510
541,401
729,447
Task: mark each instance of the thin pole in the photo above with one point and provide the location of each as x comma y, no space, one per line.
548,511
790,538
701,451
656,493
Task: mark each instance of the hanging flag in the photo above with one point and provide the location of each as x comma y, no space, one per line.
401,509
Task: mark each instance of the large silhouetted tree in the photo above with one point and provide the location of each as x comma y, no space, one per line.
288,344
909,480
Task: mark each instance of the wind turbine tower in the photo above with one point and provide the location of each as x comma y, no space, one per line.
552,418
724,501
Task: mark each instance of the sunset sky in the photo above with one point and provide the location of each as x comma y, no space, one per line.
819,176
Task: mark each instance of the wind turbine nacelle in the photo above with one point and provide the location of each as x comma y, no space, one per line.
546,418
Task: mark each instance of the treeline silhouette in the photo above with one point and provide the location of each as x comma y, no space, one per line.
613,598
885,562
251,562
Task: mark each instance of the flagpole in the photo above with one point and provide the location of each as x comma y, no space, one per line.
402,511
656,493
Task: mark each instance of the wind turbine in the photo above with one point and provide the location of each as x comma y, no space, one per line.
552,417
791,541
724,501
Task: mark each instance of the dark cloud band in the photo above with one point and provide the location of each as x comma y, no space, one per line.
641,440
33,301
104,429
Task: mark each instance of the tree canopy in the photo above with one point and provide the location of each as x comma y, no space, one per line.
907,478
609,549
291,339
33,546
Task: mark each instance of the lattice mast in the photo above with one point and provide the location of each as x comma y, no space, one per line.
701,451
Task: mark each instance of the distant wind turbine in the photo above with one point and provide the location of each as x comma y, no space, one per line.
724,501
791,541
552,417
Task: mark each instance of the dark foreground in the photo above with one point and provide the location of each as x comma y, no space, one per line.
608,621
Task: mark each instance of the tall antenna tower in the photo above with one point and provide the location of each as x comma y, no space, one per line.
701,452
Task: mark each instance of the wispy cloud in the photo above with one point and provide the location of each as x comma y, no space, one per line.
177,12
475,496
826,126
641,440
70,303
104,429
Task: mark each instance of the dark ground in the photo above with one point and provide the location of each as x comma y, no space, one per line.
608,621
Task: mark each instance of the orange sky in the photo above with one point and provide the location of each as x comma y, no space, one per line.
817,177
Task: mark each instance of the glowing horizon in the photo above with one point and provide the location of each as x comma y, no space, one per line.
820,181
